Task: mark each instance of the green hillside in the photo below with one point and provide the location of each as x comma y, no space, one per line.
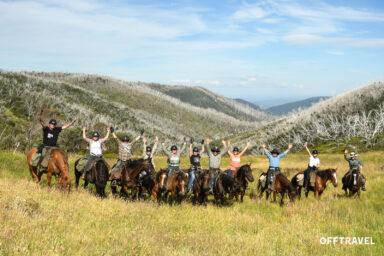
287,108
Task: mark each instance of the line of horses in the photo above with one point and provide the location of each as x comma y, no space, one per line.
174,189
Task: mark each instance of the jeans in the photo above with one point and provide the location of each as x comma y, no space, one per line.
90,160
212,177
171,169
116,168
229,172
192,177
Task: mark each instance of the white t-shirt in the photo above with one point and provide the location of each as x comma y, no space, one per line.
313,162
95,148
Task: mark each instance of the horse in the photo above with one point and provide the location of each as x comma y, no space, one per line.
129,175
161,183
178,189
224,184
57,165
242,176
201,187
354,183
320,182
283,186
98,175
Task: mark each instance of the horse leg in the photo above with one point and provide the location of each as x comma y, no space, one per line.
350,193
274,196
306,194
77,179
317,194
34,175
242,196
358,193
49,178
282,198
299,192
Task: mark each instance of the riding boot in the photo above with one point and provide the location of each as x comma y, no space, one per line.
83,175
363,187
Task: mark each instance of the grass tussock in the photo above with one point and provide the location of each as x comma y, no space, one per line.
38,220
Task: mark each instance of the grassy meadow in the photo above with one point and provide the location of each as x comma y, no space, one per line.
37,220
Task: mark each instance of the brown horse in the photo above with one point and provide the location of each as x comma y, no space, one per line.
242,176
354,183
129,175
224,184
179,181
201,187
161,183
282,186
58,165
321,180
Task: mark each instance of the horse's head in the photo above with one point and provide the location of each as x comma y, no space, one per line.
149,166
333,176
248,172
182,180
292,193
162,178
205,179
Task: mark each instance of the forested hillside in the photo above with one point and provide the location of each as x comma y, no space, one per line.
98,102
354,119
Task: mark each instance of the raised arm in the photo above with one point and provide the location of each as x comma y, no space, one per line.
106,136
288,149
345,155
155,145
306,147
84,136
41,120
264,148
164,148
190,149
229,148
183,147
144,146
68,124
245,149
136,140
225,148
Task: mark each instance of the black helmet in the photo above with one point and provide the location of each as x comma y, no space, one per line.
96,134
125,138
174,147
148,149
215,149
275,151
235,149
195,149
315,152
52,121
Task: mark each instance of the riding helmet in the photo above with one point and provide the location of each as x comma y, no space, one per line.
275,151
52,121
174,147
353,154
125,139
215,149
96,134
235,149
195,149
148,149
315,152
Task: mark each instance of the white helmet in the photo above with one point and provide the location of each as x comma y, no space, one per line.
353,154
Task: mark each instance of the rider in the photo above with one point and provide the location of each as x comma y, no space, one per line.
214,161
354,164
235,158
124,150
194,157
148,151
173,157
314,164
50,137
274,161
96,147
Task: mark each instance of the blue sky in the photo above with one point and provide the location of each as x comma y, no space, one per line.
255,50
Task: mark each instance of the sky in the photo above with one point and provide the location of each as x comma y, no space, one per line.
255,50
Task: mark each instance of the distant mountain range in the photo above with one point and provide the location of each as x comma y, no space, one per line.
284,109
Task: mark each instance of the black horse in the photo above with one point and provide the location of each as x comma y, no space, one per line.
225,184
242,176
98,175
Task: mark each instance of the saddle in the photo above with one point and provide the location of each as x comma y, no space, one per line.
116,174
300,179
171,178
312,178
46,157
271,184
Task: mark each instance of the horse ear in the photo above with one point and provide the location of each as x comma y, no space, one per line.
336,168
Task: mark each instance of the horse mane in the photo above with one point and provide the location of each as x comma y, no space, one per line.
136,163
322,173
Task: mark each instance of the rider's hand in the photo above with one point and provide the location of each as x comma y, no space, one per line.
191,140
83,128
264,146
156,139
207,139
163,140
202,142
346,151
248,143
144,140
108,129
141,132
289,146
185,140
306,144
229,143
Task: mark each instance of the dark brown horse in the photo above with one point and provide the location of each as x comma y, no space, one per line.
58,165
178,189
322,177
242,176
354,183
129,175
282,186
201,187
161,183
224,184
98,175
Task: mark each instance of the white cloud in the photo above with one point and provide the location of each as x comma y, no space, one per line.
339,53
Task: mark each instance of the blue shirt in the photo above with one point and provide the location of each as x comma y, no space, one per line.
275,161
